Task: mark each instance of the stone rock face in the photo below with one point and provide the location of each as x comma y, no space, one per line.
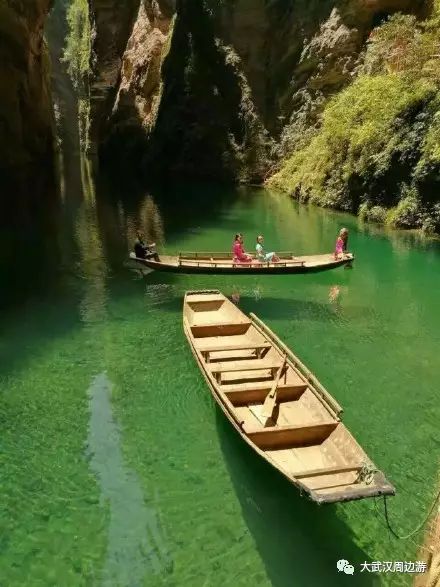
138,93
209,90
113,23
26,119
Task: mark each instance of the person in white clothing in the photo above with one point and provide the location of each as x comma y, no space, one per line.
261,253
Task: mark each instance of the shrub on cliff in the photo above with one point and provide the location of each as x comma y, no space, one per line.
380,132
403,46
365,131
374,214
78,46
77,54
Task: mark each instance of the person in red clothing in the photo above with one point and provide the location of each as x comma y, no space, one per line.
238,250
341,244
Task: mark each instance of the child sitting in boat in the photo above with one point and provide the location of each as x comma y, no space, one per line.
341,243
261,253
143,251
238,250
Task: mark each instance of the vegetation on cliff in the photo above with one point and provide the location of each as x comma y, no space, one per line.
376,149
78,54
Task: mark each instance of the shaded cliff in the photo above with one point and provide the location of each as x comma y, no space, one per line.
112,23
221,88
26,136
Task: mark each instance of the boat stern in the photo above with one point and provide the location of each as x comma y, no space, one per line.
359,489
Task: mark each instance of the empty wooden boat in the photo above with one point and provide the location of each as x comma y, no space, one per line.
223,263
276,404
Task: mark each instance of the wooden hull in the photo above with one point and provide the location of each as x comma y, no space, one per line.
304,438
221,263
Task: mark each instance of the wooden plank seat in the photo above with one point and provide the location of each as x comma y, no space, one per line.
192,299
225,329
264,385
255,393
258,350
244,366
328,471
280,437
234,347
245,370
222,356
234,366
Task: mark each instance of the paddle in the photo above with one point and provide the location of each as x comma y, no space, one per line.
271,398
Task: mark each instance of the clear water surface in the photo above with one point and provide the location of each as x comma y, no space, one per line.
118,469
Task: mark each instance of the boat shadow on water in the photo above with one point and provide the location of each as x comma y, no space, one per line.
298,541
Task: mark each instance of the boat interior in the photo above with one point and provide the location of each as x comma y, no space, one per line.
227,259
302,435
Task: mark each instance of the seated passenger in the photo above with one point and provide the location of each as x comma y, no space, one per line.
238,250
341,244
143,251
261,253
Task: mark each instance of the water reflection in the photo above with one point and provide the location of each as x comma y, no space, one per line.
136,543
93,261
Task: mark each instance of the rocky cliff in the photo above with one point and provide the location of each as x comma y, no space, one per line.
374,149
26,137
208,87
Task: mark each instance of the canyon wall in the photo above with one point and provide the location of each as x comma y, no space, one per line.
26,120
206,87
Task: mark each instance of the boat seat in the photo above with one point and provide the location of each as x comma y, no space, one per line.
193,299
235,351
225,329
255,365
220,356
235,347
334,470
281,437
257,392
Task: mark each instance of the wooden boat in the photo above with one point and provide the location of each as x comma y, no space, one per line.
224,263
298,430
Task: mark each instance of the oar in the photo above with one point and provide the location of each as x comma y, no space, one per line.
271,398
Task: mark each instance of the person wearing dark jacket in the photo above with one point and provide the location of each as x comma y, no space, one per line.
143,251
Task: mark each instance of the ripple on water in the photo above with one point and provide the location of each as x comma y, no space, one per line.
136,544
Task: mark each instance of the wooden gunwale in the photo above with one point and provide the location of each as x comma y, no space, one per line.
223,263
328,399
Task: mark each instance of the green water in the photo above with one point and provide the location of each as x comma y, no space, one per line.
116,466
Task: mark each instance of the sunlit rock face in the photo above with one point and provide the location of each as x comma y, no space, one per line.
138,91
112,22
205,87
26,120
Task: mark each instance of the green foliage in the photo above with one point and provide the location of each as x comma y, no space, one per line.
77,54
360,135
374,214
403,46
381,132
407,214
78,48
